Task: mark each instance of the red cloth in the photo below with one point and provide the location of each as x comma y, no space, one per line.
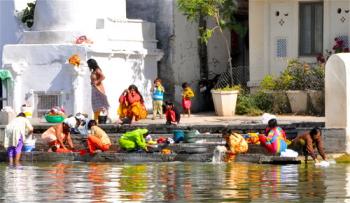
95,143
161,140
170,115
62,150
186,103
269,147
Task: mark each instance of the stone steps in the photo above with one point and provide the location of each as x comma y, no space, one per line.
145,157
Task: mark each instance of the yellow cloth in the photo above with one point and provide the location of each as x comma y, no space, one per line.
187,93
136,109
236,143
98,132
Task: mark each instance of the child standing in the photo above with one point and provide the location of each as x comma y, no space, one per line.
157,95
187,94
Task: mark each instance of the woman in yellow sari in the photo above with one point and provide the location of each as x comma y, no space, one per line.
132,105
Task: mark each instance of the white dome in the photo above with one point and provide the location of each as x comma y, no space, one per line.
75,14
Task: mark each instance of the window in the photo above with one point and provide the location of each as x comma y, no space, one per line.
310,28
45,101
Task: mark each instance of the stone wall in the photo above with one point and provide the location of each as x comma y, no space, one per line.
179,41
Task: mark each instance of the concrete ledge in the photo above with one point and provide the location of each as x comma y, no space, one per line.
145,157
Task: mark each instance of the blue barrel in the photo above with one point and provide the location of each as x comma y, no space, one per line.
179,135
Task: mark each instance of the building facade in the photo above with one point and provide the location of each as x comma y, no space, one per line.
293,29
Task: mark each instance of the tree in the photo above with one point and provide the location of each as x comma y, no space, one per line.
222,14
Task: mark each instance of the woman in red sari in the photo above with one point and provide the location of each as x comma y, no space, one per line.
132,105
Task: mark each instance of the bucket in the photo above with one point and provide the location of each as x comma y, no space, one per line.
190,136
102,119
29,145
178,135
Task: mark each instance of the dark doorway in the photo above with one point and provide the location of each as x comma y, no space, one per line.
240,46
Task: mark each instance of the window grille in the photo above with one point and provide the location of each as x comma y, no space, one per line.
281,48
44,101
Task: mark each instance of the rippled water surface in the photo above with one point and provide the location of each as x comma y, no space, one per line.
194,182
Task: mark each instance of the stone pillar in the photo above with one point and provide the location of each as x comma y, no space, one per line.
337,94
78,88
17,94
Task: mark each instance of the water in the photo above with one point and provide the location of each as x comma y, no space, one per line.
193,182
219,153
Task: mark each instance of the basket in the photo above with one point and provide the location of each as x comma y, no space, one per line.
54,118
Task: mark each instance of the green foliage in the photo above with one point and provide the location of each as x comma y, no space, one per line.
297,76
230,88
263,101
221,11
345,158
254,104
246,105
28,15
316,78
268,83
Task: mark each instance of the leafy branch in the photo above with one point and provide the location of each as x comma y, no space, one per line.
221,12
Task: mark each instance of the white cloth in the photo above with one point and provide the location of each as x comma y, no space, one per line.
322,164
15,130
71,122
289,153
266,117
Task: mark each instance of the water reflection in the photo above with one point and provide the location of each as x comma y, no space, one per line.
234,182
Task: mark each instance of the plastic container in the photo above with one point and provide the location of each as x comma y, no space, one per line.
102,119
190,136
54,118
29,145
178,135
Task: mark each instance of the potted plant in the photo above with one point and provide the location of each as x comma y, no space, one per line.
225,100
297,73
221,13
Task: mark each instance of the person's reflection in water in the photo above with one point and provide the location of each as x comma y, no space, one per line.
312,183
97,178
188,191
57,174
18,184
133,182
167,177
236,179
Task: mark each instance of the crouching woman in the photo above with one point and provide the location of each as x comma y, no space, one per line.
235,144
134,140
275,138
58,136
97,139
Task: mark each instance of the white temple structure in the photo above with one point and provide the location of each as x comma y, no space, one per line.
124,49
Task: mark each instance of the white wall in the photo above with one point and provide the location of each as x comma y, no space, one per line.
265,29
333,24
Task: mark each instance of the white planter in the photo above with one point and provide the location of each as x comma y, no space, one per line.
225,102
298,101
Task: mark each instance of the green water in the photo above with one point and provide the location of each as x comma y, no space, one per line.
193,182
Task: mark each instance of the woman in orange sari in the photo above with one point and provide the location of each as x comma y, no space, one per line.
132,105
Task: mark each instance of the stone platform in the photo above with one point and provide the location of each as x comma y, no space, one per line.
145,157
